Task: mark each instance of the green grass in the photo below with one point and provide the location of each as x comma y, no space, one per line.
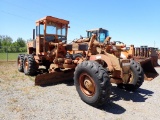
11,56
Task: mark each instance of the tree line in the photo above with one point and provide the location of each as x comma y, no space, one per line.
8,45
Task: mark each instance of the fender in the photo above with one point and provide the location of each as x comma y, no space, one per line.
104,58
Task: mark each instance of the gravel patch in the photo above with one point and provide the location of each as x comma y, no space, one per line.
21,100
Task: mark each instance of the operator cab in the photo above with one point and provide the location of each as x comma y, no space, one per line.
50,29
100,32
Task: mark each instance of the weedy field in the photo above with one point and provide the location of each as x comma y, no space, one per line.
8,71
20,99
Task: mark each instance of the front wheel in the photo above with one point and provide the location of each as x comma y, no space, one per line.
29,65
92,83
136,77
20,62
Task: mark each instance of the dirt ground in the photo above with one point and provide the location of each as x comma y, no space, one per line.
20,99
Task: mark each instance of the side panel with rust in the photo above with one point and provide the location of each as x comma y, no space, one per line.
111,60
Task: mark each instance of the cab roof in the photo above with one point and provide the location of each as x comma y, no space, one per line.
53,19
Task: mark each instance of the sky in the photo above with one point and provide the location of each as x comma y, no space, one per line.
130,21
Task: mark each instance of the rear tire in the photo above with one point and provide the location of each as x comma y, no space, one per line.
92,83
136,79
20,62
30,66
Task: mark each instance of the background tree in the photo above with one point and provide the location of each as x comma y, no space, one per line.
21,42
7,44
6,40
0,42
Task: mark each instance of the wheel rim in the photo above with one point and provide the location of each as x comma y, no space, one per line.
87,84
131,79
19,63
26,65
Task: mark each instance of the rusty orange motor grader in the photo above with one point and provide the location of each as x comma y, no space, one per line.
126,73
146,57
49,49
92,72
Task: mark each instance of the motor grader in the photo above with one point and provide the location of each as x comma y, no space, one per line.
126,73
145,56
92,72
49,50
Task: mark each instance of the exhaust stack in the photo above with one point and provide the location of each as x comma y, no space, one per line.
33,34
